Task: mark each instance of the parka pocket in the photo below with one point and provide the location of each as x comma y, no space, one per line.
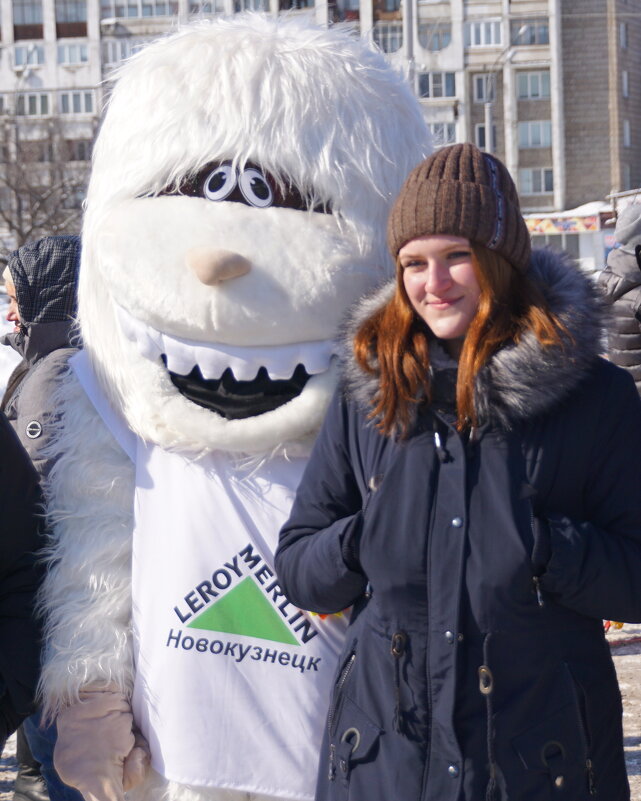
559,748
352,734
354,740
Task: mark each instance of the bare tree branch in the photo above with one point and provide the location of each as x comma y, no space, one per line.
43,178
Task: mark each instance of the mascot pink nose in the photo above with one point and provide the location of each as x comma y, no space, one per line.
212,266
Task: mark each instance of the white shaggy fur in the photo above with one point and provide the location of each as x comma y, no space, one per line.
88,588
313,107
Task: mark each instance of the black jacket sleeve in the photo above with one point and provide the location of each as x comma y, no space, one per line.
321,535
595,564
20,576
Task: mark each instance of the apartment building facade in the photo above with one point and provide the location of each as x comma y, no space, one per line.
551,86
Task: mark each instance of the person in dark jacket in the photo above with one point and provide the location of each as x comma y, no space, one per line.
475,497
621,285
42,278
41,281
20,576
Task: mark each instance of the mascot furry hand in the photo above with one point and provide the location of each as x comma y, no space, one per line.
237,206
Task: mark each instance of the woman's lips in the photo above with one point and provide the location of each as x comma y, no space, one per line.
442,304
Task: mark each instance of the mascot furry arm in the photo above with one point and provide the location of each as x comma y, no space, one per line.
237,206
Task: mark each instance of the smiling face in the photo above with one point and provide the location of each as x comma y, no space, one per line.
440,280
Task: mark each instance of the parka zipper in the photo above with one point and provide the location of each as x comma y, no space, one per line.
399,644
583,733
537,589
344,675
536,580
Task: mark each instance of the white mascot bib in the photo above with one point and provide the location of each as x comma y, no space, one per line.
216,642
211,623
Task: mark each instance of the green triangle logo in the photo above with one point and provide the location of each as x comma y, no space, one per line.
245,610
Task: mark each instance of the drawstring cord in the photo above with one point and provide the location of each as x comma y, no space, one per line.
486,687
399,641
441,452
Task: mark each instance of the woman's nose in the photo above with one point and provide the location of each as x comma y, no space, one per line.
213,266
437,277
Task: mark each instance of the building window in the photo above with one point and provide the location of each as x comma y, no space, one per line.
27,12
434,37
625,83
32,104
479,136
627,177
388,36
250,5
343,10
530,32
533,85
536,181
71,10
287,5
78,149
28,55
78,102
626,133
484,87
562,243
623,35
115,50
72,54
37,152
536,133
137,8
436,84
443,133
206,7
483,33
386,6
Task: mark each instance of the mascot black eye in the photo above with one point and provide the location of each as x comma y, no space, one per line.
255,188
220,183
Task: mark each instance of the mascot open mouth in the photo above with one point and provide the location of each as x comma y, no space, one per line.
234,382
236,400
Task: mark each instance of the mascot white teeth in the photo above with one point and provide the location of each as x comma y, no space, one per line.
237,205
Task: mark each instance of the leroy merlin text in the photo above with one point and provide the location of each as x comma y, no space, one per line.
224,577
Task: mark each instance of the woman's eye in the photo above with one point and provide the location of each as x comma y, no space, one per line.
457,255
255,188
220,183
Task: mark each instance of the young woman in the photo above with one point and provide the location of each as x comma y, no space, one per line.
475,496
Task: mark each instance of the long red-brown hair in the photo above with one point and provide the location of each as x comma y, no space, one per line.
393,343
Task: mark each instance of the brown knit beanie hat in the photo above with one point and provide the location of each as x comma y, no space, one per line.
461,191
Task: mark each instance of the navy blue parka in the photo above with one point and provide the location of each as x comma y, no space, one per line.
479,570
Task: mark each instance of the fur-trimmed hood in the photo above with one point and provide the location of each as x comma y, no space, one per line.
522,380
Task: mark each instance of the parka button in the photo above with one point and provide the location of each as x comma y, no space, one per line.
453,770
449,636
457,522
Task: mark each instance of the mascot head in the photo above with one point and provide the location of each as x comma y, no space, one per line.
240,186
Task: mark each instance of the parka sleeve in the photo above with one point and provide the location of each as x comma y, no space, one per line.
324,526
20,576
595,564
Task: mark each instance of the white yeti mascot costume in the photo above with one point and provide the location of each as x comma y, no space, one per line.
237,205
